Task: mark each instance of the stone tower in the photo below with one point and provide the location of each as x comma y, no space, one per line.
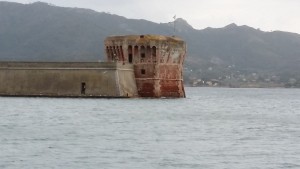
158,62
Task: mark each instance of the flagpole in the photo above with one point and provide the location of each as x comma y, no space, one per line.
174,17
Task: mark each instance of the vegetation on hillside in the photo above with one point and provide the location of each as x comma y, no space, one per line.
234,56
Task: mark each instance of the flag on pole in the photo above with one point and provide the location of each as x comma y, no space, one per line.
174,17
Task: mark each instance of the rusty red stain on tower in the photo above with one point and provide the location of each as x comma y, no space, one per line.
158,62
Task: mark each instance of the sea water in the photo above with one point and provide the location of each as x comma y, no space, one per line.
212,128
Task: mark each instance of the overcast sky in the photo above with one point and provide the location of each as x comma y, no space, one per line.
268,15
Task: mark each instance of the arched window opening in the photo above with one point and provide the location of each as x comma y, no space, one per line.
148,51
121,52
143,52
130,54
107,52
153,51
136,50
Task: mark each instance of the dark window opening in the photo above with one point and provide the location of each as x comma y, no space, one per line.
136,50
143,52
83,87
148,51
130,54
130,58
143,71
129,49
153,51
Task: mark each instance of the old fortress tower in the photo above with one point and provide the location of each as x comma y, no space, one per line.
158,62
137,66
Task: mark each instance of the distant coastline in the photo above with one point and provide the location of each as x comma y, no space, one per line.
213,83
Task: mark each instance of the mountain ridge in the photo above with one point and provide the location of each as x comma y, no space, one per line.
44,32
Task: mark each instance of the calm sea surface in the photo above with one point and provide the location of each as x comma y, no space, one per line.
212,128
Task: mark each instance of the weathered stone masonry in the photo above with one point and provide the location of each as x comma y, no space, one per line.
158,62
138,66
67,79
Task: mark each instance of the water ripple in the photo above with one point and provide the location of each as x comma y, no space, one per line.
212,128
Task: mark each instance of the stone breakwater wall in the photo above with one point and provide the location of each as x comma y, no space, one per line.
61,79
